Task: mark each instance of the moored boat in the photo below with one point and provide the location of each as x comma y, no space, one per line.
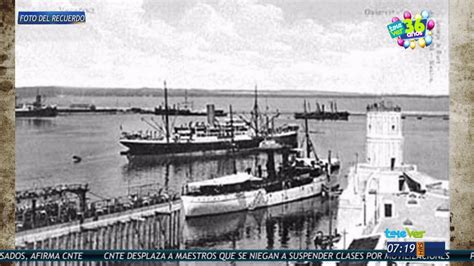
200,140
206,138
245,191
321,114
36,109
242,191
186,109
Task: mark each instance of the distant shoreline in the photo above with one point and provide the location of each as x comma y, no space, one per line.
52,91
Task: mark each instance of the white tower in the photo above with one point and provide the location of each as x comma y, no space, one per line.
384,135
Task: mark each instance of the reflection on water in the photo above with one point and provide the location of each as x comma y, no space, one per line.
291,225
144,161
150,161
176,172
35,122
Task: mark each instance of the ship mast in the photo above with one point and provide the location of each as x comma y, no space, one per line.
255,111
167,121
308,143
231,126
187,104
234,163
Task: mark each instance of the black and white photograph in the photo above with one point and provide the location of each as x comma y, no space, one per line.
226,124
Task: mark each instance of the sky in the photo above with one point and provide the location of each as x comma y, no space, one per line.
318,45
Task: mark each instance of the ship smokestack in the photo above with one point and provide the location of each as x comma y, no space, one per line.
37,102
211,114
271,164
329,162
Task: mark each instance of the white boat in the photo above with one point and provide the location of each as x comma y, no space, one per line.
296,179
242,191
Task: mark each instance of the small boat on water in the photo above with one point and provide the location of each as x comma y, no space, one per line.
36,109
300,159
331,192
76,159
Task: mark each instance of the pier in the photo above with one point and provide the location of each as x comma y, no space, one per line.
65,203
61,218
415,114
152,227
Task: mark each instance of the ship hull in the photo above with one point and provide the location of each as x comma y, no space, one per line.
151,147
323,116
196,206
43,112
186,112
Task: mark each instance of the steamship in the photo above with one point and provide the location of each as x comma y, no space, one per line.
298,177
294,180
36,109
242,191
199,138
186,109
321,114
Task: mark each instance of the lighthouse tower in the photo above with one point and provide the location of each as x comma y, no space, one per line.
384,135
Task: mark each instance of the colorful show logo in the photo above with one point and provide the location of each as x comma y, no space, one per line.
412,30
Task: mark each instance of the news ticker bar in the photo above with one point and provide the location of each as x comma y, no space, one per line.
223,255
51,17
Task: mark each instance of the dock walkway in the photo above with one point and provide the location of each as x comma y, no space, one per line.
150,227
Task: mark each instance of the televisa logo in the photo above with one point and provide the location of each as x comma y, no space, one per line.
404,233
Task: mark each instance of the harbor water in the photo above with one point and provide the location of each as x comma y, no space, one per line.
45,146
